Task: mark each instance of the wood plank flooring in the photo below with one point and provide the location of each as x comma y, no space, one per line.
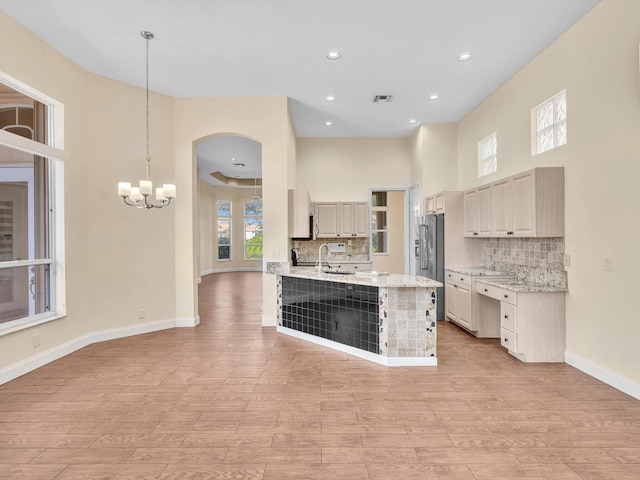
232,400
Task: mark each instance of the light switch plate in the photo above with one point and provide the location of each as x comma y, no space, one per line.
567,260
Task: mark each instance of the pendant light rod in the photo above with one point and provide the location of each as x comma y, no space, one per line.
147,36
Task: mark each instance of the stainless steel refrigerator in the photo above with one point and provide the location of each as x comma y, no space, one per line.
430,254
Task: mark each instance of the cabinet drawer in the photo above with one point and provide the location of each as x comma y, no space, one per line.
509,296
489,291
508,317
458,278
509,340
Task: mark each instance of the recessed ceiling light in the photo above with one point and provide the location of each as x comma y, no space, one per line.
434,96
412,121
333,55
464,57
328,123
330,98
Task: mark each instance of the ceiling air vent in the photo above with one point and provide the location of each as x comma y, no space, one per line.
382,98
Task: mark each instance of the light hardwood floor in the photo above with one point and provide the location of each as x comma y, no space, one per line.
232,400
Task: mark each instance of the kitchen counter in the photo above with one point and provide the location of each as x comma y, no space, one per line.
386,318
476,271
377,279
522,287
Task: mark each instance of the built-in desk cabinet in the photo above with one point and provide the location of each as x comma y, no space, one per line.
464,307
532,324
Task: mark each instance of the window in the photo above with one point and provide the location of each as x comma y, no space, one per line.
379,212
550,123
224,229
488,155
253,229
31,267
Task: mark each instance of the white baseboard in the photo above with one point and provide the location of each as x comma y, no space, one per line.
188,321
356,352
227,270
269,321
604,375
40,359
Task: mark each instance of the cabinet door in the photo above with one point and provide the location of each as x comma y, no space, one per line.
523,205
463,305
483,211
450,300
326,220
500,208
439,203
430,204
345,220
470,223
361,220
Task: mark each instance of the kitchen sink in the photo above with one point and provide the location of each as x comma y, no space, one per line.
339,272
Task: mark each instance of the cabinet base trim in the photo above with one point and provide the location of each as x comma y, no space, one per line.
356,352
608,377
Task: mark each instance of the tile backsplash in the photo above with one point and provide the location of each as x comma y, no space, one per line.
358,251
535,260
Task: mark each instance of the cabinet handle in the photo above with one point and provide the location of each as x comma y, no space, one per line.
462,279
475,233
506,340
506,296
506,316
486,290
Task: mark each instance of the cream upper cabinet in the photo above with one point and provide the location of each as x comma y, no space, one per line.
530,204
361,219
341,219
300,211
470,216
434,203
483,211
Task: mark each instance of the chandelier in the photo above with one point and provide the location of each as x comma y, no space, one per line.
139,196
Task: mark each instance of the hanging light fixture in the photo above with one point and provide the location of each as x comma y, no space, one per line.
139,196
255,190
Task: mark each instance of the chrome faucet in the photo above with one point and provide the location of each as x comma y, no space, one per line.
320,256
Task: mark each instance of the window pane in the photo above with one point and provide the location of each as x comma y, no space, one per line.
561,134
253,238
545,116
378,220
560,107
224,252
24,291
224,231
224,207
253,207
545,140
379,242
379,199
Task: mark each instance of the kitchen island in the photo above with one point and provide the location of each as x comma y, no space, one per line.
385,318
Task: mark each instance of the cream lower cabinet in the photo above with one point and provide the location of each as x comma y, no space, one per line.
532,324
467,308
457,300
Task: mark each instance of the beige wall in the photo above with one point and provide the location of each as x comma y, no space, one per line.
265,120
393,261
597,62
112,251
344,169
434,155
209,195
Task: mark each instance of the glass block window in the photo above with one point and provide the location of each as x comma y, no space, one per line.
551,123
224,229
253,235
488,155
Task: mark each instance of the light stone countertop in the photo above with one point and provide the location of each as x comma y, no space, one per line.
477,271
522,287
373,279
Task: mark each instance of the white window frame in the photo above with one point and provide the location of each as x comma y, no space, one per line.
535,133
385,209
56,154
491,155
230,219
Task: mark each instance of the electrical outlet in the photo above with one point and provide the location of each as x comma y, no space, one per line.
36,340
607,265
567,260
142,313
